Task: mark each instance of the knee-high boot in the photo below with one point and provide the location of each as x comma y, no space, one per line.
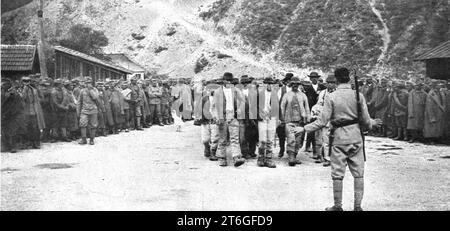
207,150
64,135
83,136
359,193
337,196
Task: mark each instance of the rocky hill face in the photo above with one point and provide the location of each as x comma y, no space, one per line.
204,38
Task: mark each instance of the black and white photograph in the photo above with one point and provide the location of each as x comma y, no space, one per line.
225,105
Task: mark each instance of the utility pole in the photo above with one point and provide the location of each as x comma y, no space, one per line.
41,43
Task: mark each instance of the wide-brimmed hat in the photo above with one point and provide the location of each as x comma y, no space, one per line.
26,78
314,75
287,77
269,80
245,79
294,80
227,76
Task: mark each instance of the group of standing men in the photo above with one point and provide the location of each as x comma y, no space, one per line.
411,111
236,114
36,110
261,110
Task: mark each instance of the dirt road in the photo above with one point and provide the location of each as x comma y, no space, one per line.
160,169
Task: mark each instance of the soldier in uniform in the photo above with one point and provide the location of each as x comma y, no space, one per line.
12,116
416,112
379,103
34,117
88,108
60,103
165,103
434,113
47,109
136,102
400,104
340,109
72,120
155,94
117,107
294,113
224,111
126,93
101,115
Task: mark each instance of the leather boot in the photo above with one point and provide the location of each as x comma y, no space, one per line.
138,124
282,145
238,161
399,134
405,134
358,184
337,195
394,133
223,162
207,150
213,156
83,136
268,162
91,141
292,161
64,135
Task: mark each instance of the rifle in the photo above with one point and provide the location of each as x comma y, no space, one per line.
359,109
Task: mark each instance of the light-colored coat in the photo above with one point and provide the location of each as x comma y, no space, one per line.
434,114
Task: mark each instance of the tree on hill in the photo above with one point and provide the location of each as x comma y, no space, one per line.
84,39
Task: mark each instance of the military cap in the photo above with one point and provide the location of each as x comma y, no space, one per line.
384,80
67,82
87,79
6,80
26,78
58,81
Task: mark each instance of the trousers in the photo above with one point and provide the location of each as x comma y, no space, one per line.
343,155
230,127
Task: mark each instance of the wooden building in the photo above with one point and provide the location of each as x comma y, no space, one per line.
70,64
18,61
125,62
437,61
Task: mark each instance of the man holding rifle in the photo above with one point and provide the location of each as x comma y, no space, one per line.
348,115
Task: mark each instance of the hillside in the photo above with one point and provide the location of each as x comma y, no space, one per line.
204,38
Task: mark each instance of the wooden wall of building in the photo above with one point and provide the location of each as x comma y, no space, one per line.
68,67
438,68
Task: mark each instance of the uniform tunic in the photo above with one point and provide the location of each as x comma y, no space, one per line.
416,109
347,144
434,114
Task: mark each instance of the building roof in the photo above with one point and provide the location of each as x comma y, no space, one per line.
18,57
123,60
92,59
439,52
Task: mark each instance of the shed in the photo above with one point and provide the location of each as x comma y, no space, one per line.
70,63
19,60
125,62
437,61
